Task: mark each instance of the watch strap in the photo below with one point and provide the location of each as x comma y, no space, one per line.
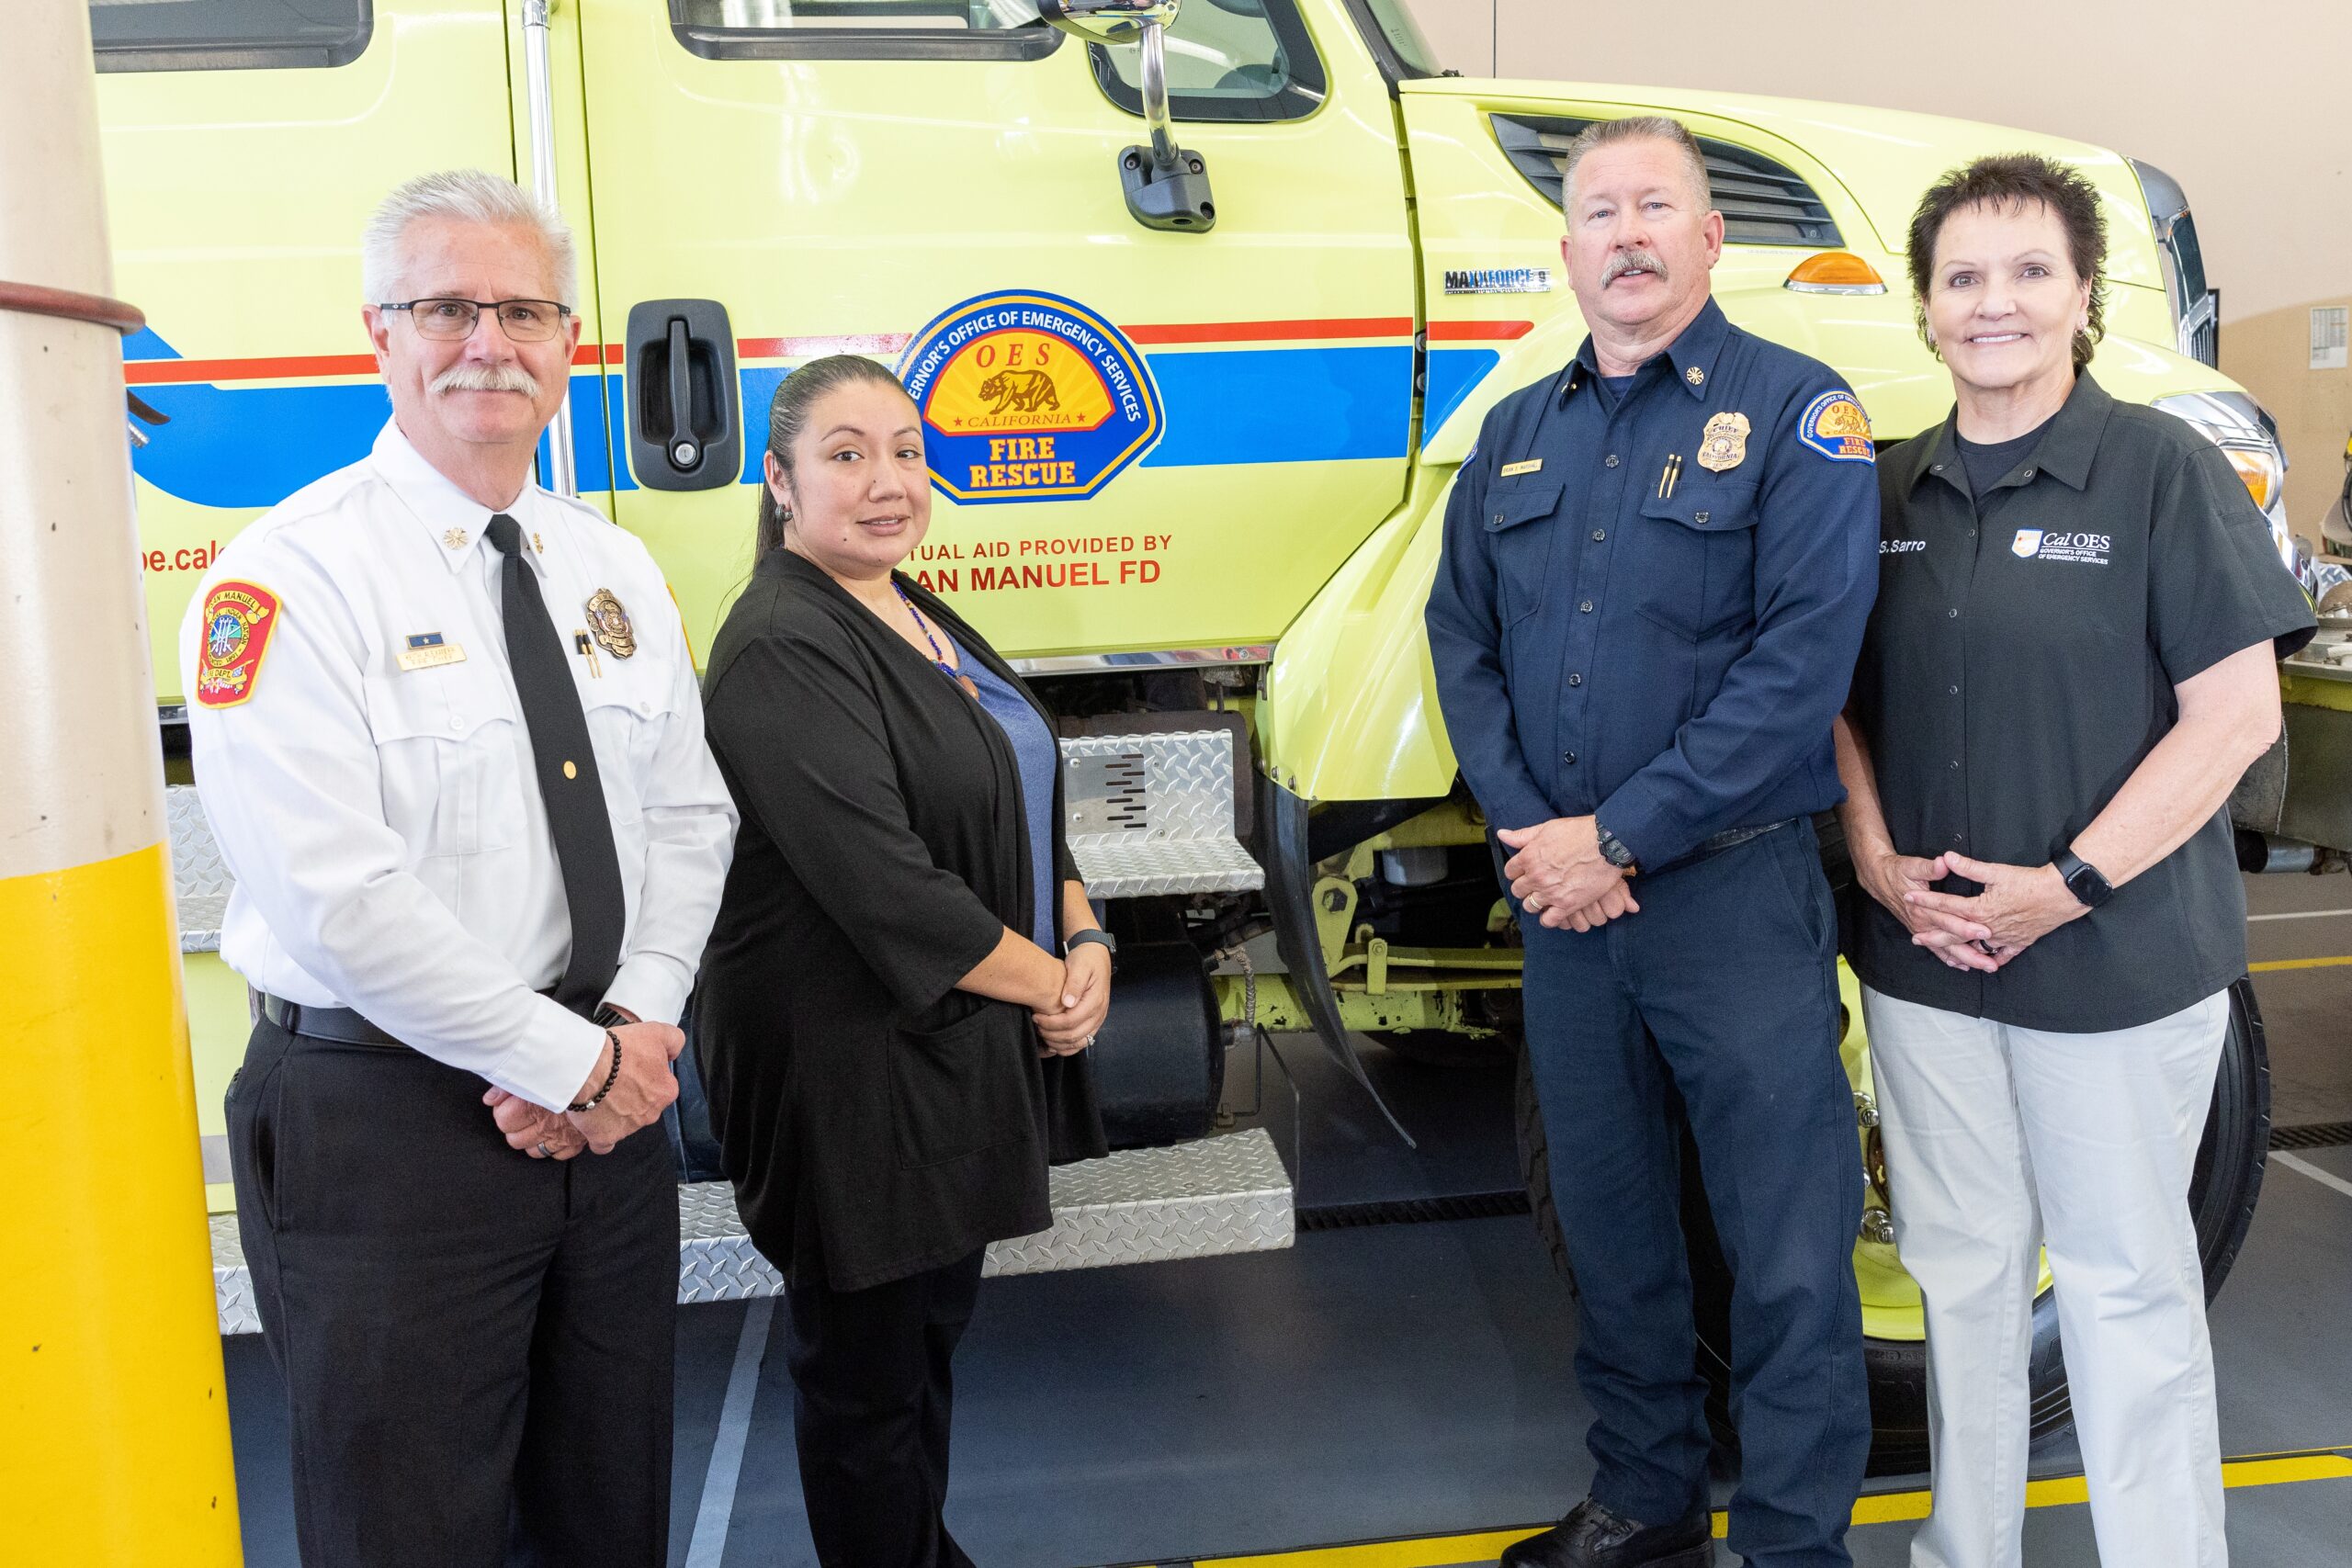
1094,936
1613,848
2084,880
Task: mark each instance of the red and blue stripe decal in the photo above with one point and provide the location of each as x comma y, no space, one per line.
247,433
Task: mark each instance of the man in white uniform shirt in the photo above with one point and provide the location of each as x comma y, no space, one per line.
446,730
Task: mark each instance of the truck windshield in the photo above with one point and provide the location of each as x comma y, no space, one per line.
1396,41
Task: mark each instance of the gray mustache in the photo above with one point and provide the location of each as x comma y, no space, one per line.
1625,262
486,378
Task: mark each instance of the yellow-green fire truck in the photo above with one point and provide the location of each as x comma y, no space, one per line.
1203,318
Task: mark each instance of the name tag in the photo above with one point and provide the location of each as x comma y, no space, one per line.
1532,466
426,649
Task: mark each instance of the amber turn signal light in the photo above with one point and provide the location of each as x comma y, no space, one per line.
1835,272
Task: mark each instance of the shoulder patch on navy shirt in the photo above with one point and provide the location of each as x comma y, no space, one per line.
1835,425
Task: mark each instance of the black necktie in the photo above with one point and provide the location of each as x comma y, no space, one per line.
567,781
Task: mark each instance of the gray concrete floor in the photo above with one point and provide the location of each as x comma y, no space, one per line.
1414,1381
2296,919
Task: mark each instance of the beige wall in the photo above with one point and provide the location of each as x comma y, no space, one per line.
2249,106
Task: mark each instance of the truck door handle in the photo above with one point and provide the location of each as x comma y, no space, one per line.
686,428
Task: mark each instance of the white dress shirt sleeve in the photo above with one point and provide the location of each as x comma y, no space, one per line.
689,822
290,783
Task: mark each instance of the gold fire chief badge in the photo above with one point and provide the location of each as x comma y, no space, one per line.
610,624
1725,444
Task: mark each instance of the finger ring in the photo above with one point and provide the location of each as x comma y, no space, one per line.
545,1150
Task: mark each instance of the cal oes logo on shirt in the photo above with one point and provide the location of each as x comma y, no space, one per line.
2090,550
1029,397
239,618
1836,426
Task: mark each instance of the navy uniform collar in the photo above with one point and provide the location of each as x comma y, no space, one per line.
1693,355
2065,451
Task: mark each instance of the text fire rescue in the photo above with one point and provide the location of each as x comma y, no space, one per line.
1023,462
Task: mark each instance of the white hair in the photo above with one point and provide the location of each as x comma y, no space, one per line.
468,195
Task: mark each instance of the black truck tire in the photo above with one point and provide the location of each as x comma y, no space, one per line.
2225,1184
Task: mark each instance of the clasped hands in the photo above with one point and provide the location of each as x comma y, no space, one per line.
1081,1001
642,1090
2018,906
1559,875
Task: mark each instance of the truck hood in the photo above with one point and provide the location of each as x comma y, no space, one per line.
1884,158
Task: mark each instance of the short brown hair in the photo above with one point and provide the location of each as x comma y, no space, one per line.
2018,180
1638,127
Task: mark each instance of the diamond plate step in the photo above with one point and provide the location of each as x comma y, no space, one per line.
1153,814
1219,1195
199,877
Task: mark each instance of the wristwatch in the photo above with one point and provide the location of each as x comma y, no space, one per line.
2083,879
1613,850
1101,938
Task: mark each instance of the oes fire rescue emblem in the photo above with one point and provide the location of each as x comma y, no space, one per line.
1029,397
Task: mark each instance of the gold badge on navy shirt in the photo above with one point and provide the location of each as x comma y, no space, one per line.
609,622
1531,465
426,649
1723,445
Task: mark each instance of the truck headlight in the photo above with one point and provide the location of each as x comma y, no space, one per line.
2236,422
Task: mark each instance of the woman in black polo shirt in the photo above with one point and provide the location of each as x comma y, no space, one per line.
2070,663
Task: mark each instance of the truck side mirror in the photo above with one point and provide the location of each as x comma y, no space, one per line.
1167,187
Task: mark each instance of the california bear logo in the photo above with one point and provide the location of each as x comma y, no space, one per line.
1029,397
1021,391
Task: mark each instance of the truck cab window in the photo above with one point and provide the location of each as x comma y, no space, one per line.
1396,39
1228,60
861,30
228,35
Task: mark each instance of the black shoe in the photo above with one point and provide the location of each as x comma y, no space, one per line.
1592,1537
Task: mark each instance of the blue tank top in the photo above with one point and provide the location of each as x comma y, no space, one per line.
1033,749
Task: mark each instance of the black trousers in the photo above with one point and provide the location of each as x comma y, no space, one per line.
477,1346
872,1394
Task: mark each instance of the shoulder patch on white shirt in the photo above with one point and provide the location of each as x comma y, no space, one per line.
239,620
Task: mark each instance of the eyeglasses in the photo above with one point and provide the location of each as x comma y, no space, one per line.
448,320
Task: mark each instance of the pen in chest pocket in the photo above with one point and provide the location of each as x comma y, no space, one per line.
588,650
1670,476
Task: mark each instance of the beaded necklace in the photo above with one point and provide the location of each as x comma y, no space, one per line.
938,654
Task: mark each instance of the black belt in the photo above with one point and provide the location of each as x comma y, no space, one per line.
323,1024
340,1024
1717,845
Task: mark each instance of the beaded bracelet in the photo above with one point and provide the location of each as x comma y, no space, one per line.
611,1078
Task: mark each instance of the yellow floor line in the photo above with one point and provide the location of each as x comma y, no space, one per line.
1888,1507
2298,964
1883,1507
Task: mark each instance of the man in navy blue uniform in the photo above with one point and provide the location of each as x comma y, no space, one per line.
1656,569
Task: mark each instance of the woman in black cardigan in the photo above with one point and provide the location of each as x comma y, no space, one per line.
904,968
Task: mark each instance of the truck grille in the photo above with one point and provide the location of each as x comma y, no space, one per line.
1763,202
2200,330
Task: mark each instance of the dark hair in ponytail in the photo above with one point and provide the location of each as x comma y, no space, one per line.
788,419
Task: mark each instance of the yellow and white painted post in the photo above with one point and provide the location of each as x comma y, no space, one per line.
114,1426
